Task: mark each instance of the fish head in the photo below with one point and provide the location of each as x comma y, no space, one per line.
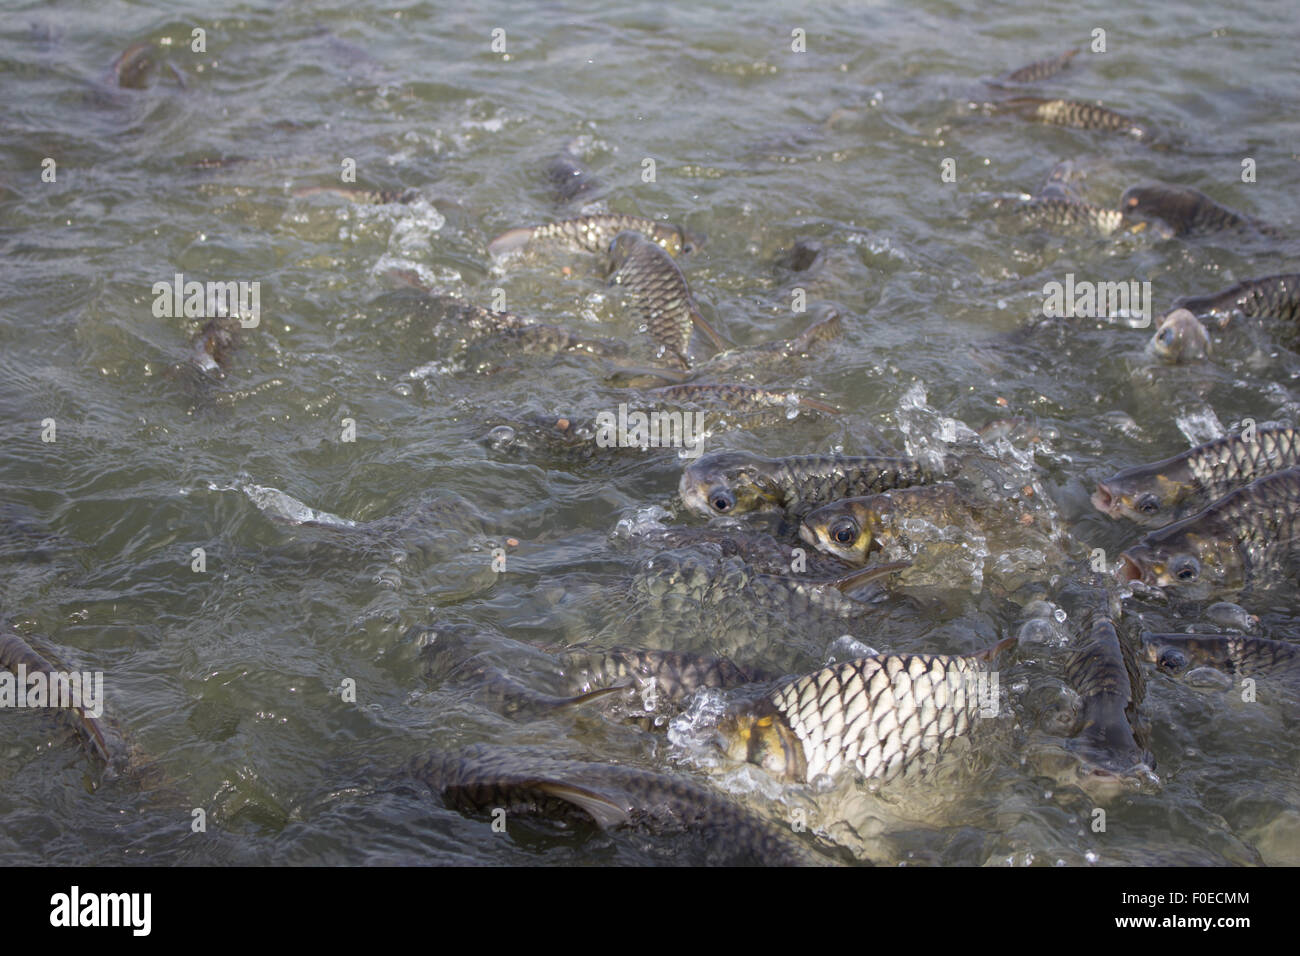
848,529
728,483
1145,495
675,240
622,247
1194,563
1181,337
1157,201
757,735
1167,658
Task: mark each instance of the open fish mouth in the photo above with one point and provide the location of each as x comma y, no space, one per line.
1130,569
1104,500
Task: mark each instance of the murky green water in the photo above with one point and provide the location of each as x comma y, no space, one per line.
231,677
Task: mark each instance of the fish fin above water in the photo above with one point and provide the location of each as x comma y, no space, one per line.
601,808
847,582
672,375
818,406
709,332
510,241
990,653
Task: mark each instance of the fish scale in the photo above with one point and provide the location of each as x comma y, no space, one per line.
1071,213
1236,539
657,292
611,795
796,484
592,234
1243,656
1187,211
877,715
1276,297
1074,114
1164,489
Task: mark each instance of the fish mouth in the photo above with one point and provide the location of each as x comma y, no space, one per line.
808,534
1104,500
1130,568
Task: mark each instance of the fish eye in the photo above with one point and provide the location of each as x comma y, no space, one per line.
1186,569
1165,336
1171,660
1131,202
844,532
721,500
1148,504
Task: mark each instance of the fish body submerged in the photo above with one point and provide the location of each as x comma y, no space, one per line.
1186,211
658,294
1112,737
751,360
1241,656
1272,297
570,177
101,737
877,715
758,549
213,345
1166,490
749,405
1075,115
734,482
673,675
704,577
1061,212
593,234
1041,70
1232,543
610,795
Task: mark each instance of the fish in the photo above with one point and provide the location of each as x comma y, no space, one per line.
801,256
610,795
1175,654
1041,69
736,482
704,577
877,715
594,234
1055,211
101,736
570,177
365,197
659,295
1180,337
1058,183
758,549
1112,738
507,330
750,359
761,405
673,675
1074,114
852,528
1186,211
213,345
1236,541
545,339
1272,297
1167,490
